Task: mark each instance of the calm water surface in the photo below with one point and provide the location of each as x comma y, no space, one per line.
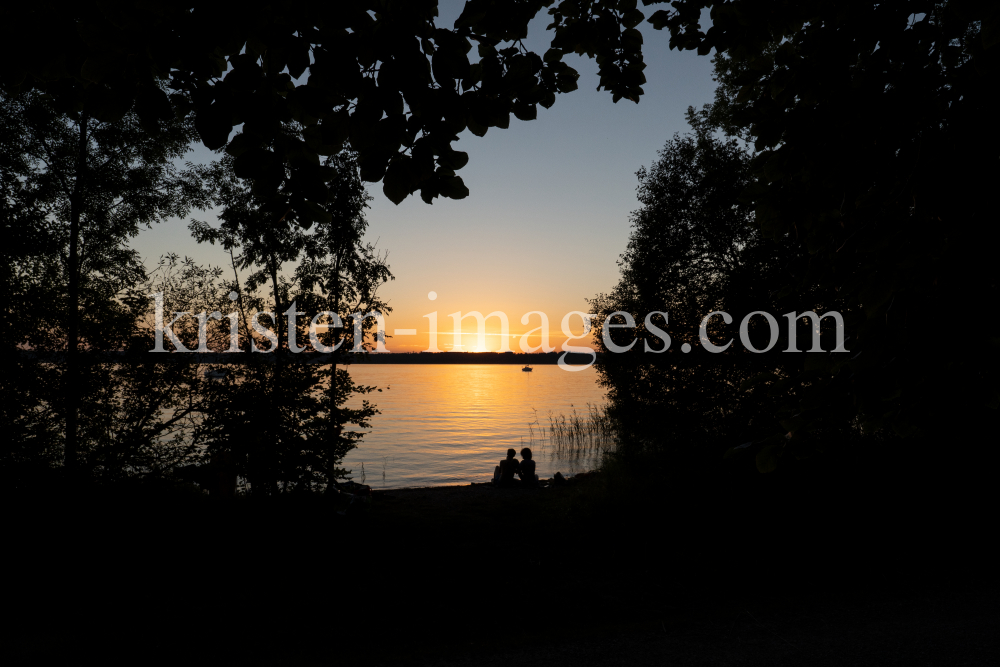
452,423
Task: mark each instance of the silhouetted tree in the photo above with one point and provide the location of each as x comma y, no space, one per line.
693,250
869,155
341,273
297,438
867,126
382,76
887,202
76,191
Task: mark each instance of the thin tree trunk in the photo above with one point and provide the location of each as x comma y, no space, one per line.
334,427
73,333
246,347
272,458
243,442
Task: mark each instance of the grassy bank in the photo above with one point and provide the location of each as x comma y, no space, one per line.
629,566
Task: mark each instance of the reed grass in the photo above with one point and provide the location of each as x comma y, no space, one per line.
584,439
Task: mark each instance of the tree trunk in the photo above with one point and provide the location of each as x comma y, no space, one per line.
334,427
274,445
73,329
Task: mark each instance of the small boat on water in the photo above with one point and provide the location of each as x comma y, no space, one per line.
527,368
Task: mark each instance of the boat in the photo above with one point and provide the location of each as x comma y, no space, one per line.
527,368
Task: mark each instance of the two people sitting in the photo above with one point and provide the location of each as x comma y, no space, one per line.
503,474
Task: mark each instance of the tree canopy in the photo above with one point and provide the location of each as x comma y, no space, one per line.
869,155
867,124
75,191
693,250
381,76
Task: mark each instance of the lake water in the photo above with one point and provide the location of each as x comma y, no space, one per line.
452,423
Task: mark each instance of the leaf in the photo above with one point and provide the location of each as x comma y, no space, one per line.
781,385
373,167
262,166
335,131
875,294
298,58
240,145
993,401
739,450
767,458
448,65
796,423
454,160
525,111
632,38
818,362
566,83
991,28
153,105
633,18
315,212
659,19
475,127
757,379
399,180
475,76
214,126
201,232
454,188
109,105
96,68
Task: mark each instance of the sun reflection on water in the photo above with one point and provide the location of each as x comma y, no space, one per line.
452,423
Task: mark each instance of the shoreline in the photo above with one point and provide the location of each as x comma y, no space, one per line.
676,574
546,483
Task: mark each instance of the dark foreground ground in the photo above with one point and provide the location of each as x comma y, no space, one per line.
749,570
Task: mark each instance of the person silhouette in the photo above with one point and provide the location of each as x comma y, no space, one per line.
526,471
503,474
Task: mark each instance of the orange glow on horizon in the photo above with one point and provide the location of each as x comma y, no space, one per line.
469,343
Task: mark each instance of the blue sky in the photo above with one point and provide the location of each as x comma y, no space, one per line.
548,213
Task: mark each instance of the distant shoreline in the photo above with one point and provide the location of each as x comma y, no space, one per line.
347,358
540,359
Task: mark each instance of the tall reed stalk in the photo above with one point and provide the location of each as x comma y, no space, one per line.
582,438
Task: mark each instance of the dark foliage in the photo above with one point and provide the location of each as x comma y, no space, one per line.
693,250
283,424
75,191
871,172
382,76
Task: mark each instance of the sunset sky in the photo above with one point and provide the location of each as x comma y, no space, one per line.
548,213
